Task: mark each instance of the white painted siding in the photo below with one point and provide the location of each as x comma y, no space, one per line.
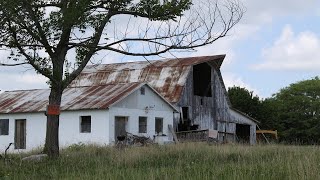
133,121
137,101
149,105
69,129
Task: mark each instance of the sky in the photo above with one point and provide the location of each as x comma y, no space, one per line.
275,44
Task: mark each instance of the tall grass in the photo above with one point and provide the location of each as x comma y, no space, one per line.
183,161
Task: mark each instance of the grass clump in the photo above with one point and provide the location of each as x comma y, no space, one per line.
183,161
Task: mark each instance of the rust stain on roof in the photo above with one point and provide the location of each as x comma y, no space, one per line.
167,77
88,97
99,86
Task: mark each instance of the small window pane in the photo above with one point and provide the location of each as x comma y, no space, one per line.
4,126
142,124
159,125
85,126
142,91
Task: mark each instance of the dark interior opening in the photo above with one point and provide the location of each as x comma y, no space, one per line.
202,80
243,133
185,113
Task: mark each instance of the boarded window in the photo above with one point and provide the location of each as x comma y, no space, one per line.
4,126
159,125
142,91
142,124
85,124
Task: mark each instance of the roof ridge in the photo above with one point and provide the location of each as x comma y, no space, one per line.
166,59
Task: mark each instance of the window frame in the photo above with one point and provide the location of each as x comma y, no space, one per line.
156,119
143,91
83,128
6,127
141,126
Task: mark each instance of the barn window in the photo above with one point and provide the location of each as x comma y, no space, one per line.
4,126
142,91
85,124
159,125
202,80
142,124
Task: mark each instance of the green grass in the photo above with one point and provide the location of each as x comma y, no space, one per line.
183,161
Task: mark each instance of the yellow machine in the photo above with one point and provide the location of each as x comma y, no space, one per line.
266,135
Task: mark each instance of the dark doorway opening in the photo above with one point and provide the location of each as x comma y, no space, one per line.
202,80
243,133
120,130
20,134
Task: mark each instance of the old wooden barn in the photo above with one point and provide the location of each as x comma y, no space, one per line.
194,85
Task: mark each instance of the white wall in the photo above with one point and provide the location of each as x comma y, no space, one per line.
135,105
69,129
137,101
133,121
102,122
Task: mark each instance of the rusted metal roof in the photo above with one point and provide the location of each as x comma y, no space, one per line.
168,76
80,98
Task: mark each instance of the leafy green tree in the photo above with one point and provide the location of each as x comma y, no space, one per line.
42,33
298,112
244,100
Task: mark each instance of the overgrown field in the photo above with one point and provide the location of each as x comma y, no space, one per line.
183,161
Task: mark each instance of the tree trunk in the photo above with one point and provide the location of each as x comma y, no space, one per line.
52,136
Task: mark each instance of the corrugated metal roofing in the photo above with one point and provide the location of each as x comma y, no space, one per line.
80,98
168,76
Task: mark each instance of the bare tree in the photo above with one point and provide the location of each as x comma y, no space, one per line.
42,32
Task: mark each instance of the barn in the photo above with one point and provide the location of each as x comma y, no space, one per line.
107,99
194,85
90,114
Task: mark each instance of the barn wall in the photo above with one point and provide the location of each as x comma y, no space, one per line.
200,114
213,110
241,119
69,129
132,125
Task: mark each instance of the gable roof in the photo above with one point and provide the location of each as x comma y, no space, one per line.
168,77
80,98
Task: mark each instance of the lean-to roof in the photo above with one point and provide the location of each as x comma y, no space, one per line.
80,98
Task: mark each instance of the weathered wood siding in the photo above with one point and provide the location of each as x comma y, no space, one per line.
214,112
203,115
242,119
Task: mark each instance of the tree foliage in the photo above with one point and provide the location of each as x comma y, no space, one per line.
42,33
298,111
244,100
294,111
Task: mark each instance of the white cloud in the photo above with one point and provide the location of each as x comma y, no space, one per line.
17,80
260,12
231,79
292,52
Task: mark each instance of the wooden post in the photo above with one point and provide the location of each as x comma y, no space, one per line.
173,134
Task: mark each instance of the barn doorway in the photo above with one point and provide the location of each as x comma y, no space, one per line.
20,134
243,133
120,127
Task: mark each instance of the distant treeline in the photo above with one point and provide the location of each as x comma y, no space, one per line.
294,111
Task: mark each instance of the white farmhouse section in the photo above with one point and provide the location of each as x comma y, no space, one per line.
100,127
